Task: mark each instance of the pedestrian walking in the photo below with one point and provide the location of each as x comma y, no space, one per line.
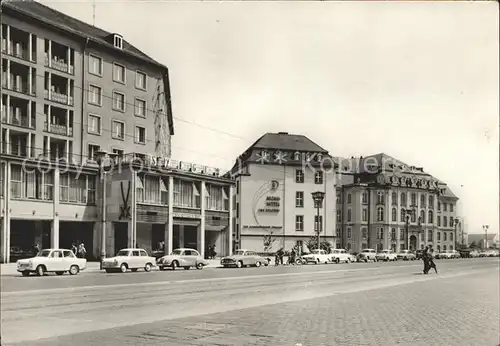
425,259
431,264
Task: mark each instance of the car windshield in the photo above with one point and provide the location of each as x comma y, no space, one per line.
43,253
365,251
317,251
122,253
385,251
176,252
239,253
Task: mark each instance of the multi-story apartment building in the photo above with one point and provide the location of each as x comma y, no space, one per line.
384,203
273,204
70,91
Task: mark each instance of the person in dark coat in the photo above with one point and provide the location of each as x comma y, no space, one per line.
425,259
431,263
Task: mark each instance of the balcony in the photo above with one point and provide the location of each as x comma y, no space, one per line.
58,97
62,130
23,121
59,57
19,44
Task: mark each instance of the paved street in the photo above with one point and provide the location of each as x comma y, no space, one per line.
354,304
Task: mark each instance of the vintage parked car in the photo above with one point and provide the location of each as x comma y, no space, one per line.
57,261
367,255
126,259
406,255
340,255
185,258
244,258
386,255
317,256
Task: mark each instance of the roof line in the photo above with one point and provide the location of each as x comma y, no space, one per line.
12,6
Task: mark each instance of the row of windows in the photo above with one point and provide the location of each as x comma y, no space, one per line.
117,129
119,101
299,223
299,177
154,190
380,199
35,184
402,216
119,72
447,236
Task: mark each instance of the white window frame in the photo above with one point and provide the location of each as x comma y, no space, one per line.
118,41
299,221
113,101
93,56
319,177
299,176
349,232
136,138
113,134
100,124
144,74
297,199
124,81
88,151
145,107
100,95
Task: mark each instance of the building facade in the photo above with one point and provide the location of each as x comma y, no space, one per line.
272,199
386,204
69,92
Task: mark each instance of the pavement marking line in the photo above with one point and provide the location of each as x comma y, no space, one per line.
228,278
155,314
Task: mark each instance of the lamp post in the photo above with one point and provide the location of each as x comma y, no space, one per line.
408,212
485,228
102,157
318,197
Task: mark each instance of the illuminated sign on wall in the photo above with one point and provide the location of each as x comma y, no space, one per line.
272,205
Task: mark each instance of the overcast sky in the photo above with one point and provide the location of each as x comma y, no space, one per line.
417,81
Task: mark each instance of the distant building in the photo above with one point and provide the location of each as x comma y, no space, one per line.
273,204
376,197
479,240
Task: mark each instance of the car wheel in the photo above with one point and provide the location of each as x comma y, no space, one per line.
239,264
25,273
59,273
40,270
199,266
337,260
123,267
257,264
174,265
73,270
147,267
366,260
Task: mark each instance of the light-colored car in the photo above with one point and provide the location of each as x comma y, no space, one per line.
317,256
454,254
406,255
367,255
386,255
474,254
243,258
185,258
56,261
446,254
126,259
340,255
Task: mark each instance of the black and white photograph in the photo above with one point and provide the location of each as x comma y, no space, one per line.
249,173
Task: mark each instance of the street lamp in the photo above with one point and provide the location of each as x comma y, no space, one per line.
409,212
485,228
457,223
318,197
105,160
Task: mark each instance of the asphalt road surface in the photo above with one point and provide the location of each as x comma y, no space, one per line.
352,304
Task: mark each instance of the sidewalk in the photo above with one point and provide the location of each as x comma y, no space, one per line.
92,267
